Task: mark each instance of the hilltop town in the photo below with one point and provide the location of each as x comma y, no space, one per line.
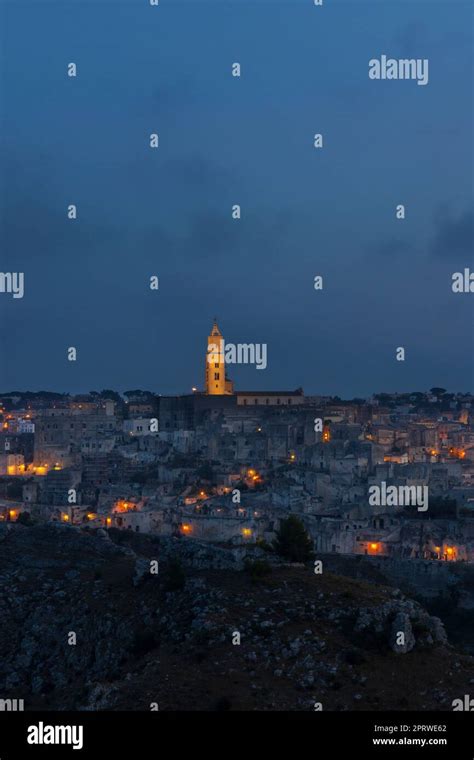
225,466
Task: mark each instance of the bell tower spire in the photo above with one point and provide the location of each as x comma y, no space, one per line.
216,381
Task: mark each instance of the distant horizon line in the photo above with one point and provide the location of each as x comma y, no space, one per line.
196,391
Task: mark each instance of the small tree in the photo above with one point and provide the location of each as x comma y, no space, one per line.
292,541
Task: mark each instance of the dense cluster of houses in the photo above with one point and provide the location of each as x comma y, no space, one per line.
228,468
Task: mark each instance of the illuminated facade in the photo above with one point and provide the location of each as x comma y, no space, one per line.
217,383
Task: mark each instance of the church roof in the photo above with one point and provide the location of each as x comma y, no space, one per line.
298,392
215,330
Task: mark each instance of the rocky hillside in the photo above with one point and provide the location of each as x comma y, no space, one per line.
171,638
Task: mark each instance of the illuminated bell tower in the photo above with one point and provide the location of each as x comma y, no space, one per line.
216,382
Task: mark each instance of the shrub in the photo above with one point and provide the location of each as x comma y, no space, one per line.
292,541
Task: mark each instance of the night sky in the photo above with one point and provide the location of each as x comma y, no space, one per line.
225,141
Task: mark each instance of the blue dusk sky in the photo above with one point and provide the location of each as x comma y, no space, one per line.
222,141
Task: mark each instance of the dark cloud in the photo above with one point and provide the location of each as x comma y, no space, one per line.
454,237
392,247
409,39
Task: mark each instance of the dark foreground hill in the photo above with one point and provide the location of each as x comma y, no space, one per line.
145,639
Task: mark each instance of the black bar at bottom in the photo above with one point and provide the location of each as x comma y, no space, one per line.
140,734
